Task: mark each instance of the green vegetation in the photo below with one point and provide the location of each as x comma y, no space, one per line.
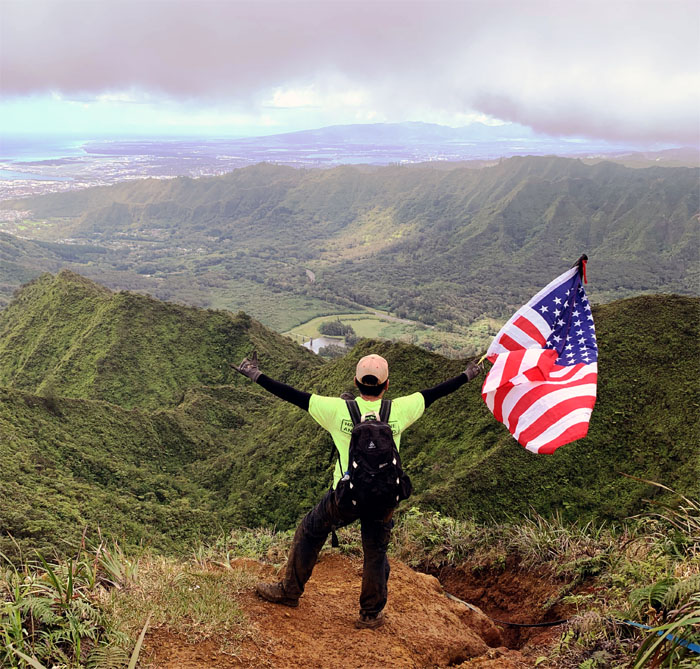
128,349
88,610
121,419
442,247
277,309
123,413
599,570
336,328
453,342
55,613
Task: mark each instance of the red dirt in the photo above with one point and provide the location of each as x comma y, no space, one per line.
513,595
424,629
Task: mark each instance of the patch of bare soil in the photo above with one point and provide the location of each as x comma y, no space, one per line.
513,595
424,629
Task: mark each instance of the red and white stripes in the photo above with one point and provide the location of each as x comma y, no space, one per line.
543,403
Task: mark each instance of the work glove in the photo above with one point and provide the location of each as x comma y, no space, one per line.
474,369
249,367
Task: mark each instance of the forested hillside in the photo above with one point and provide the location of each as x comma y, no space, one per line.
69,336
104,421
442,246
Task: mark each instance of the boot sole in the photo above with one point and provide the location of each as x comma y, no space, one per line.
291,603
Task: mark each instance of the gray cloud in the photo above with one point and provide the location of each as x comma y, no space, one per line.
619,69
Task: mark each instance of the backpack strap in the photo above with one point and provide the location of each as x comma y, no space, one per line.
354,412
384,411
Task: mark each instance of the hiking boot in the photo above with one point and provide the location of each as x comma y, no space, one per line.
273,592
370,622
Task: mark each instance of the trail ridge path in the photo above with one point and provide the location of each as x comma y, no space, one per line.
424,629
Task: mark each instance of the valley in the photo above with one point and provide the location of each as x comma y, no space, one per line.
453,249
133,456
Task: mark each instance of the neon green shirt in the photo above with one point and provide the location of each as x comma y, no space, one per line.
332,414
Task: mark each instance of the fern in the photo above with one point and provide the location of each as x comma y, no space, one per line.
682,591
41,609
652,596
107,657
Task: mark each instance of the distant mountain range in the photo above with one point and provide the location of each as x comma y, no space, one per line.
382,143
444,247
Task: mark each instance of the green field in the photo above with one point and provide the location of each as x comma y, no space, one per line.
278,310
462,342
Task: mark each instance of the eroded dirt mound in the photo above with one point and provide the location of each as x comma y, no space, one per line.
424,629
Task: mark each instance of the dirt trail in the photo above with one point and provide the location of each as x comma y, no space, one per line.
424,629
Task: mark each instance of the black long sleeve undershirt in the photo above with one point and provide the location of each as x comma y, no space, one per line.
301,399
444,388
283,391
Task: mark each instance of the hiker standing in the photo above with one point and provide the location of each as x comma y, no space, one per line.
370,422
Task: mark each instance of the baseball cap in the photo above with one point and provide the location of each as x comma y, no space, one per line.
372,365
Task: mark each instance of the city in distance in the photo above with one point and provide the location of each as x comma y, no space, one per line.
38,165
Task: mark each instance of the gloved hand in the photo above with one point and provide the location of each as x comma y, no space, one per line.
474,369
249,367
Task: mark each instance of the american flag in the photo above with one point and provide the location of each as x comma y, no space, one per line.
542,385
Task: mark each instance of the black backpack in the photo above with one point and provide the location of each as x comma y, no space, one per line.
375,482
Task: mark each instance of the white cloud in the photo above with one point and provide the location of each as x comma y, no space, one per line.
328,96
607,68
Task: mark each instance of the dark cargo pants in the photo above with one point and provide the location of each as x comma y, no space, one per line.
312,534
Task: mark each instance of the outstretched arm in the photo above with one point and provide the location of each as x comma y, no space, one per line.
285,392
446,387
249,367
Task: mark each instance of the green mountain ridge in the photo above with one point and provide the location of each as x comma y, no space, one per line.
184,450
433,245
81,340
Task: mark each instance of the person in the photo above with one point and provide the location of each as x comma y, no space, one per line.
332,413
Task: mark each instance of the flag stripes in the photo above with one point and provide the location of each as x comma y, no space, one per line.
542,385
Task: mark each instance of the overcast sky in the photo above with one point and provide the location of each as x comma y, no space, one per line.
612,69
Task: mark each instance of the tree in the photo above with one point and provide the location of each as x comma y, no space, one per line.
336,329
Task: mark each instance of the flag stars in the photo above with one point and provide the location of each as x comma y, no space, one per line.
568,314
